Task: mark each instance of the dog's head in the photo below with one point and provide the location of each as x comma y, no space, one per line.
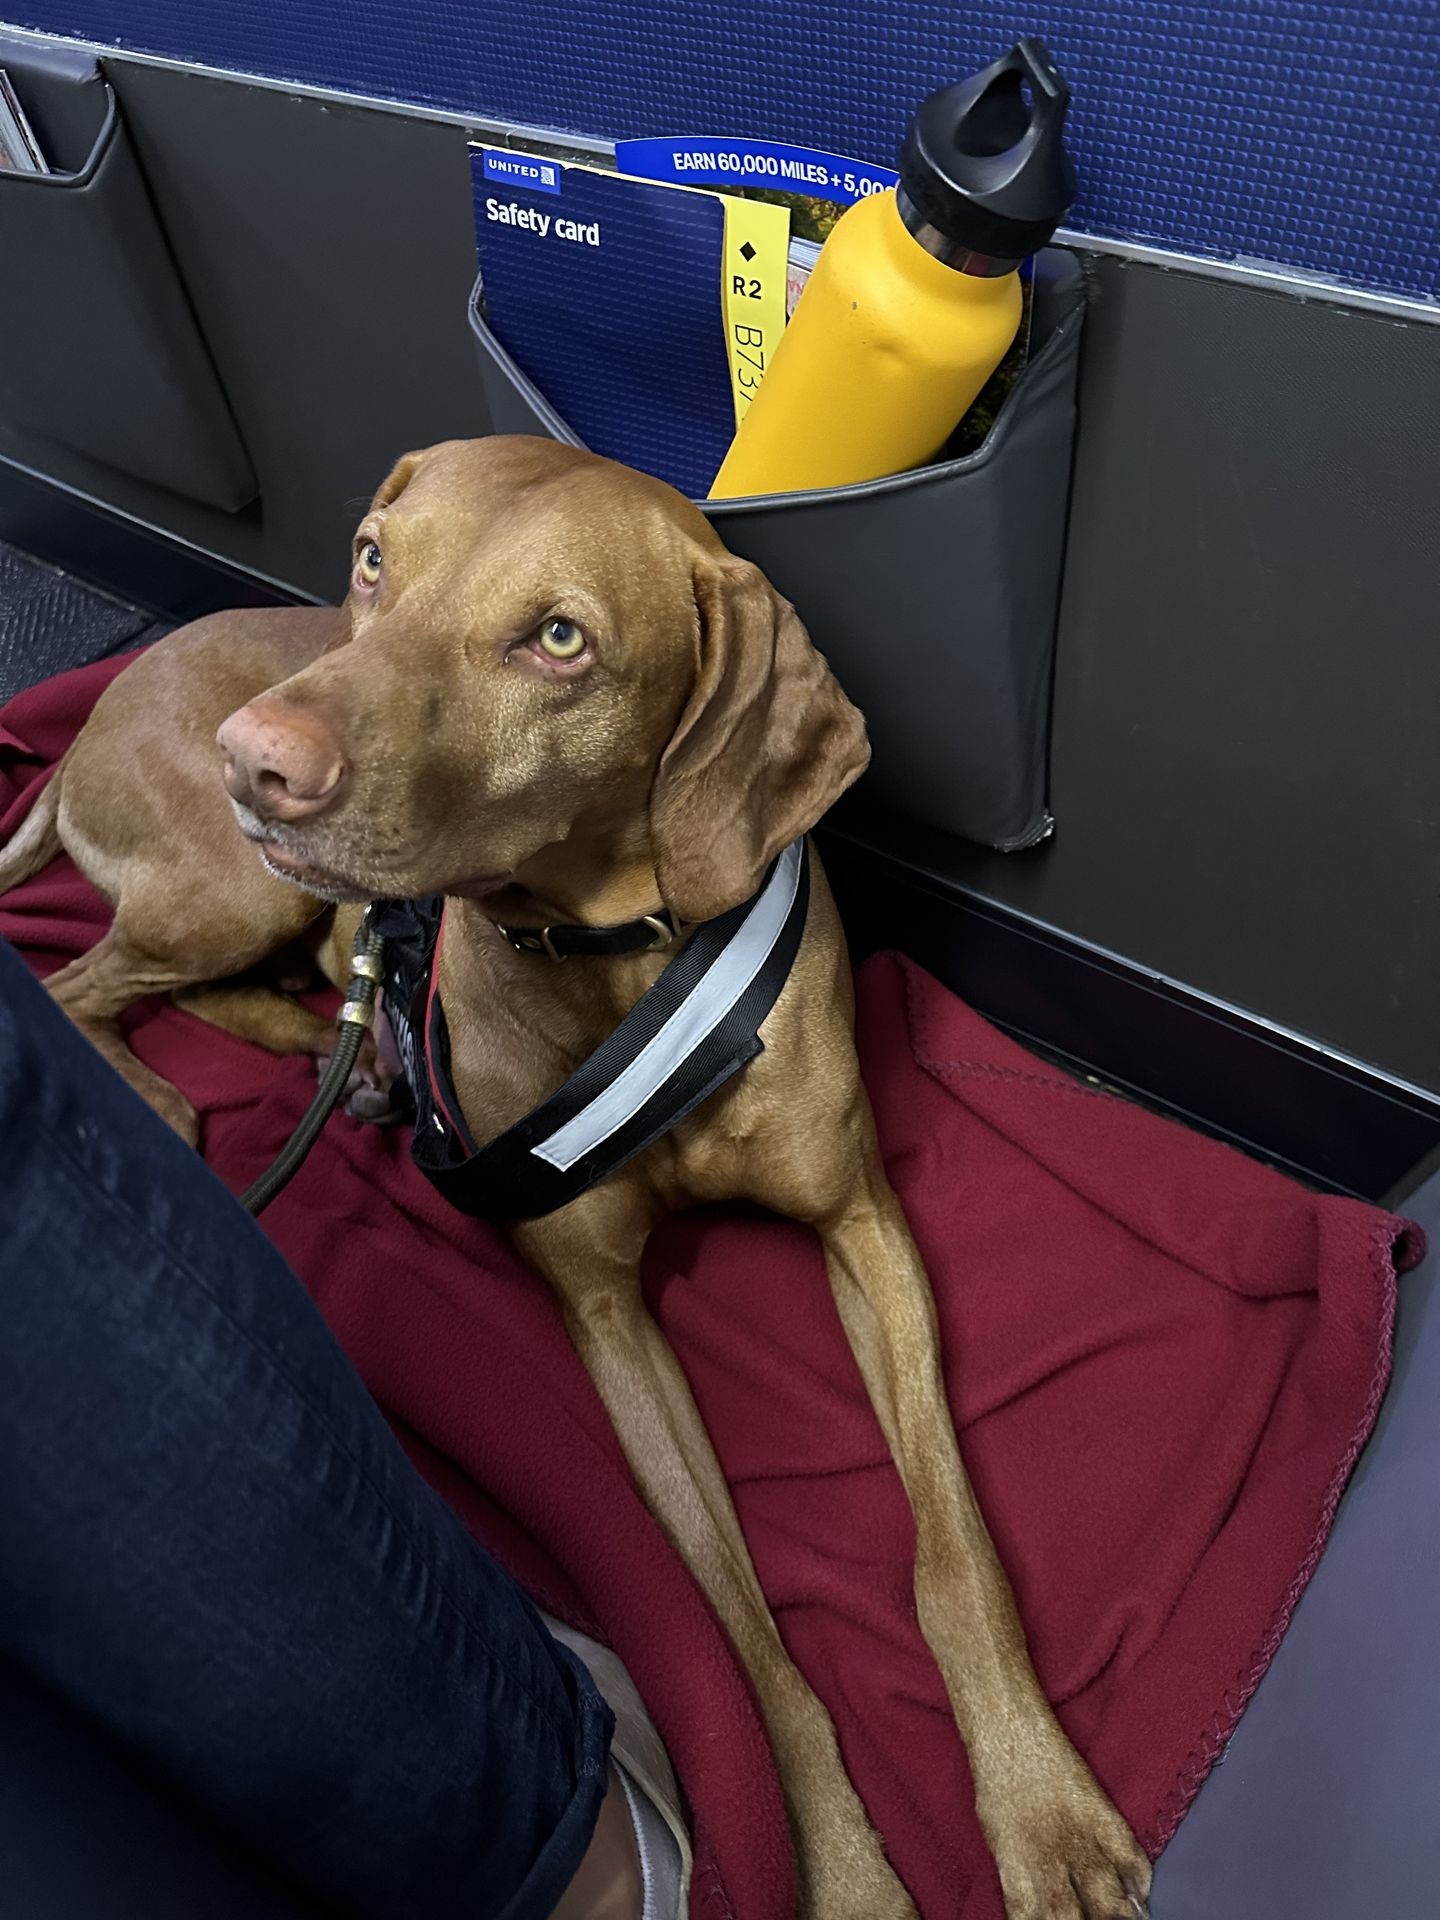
540,647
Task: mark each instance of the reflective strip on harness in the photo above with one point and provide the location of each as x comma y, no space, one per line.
696,1017
695,1027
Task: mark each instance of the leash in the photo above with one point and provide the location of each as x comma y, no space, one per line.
367,972
697,1024
356,1015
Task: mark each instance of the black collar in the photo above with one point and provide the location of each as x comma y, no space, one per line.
649,934
694,1027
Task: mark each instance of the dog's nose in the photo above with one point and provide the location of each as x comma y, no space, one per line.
284,763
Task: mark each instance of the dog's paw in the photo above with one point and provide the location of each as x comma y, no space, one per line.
178,1113
367,1091
1064,1853
171,1105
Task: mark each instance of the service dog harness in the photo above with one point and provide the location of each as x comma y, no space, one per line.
695,1027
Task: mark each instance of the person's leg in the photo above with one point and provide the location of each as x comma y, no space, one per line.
211,1544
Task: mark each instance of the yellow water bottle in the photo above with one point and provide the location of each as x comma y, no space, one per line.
915,296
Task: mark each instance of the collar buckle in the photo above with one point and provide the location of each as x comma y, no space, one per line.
661,928
532,940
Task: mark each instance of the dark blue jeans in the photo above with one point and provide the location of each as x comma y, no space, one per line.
211,1545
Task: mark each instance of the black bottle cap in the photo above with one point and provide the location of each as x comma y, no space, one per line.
984,162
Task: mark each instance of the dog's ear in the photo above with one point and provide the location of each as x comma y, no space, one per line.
764,745
398,478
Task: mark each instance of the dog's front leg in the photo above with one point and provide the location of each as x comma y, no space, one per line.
1062,1849
590,1252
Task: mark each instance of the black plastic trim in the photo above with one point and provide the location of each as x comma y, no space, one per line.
125,556
1287,1099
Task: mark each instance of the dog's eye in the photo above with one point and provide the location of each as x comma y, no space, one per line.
562,640
368,563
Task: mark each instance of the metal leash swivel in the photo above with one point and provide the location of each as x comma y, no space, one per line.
356,1015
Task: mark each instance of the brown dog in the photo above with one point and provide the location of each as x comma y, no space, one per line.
553,696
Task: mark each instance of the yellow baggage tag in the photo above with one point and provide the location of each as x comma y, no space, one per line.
754,265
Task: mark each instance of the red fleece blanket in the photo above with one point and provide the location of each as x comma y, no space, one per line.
1162,1358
